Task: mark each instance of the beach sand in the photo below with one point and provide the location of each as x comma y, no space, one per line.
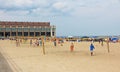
60,59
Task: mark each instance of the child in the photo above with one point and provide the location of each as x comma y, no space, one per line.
72,47
91,49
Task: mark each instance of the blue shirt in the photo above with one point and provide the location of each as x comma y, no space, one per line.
92,47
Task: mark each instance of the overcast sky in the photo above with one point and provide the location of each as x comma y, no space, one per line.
71,17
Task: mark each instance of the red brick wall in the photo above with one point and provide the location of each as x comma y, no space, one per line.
5,23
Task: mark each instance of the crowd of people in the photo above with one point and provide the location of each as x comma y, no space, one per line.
39,42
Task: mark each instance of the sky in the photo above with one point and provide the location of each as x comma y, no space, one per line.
71,17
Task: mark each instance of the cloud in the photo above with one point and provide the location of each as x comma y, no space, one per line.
41,12
57,7
1,12
77,13
61,6
6,4
14,13
22,4
17,13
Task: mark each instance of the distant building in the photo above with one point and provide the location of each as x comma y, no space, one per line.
26,29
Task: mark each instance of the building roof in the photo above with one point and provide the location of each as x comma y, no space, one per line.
7,23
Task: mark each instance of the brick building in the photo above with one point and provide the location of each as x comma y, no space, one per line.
26,29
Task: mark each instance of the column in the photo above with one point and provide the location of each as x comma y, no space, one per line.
10,31
51,31
28,31
22,32
4,34
34,31
16,31
45,31
54,30
40,31
39,34
4,31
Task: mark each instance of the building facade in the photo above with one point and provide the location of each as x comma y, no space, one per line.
26,29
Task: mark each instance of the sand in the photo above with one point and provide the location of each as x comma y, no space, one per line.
27,58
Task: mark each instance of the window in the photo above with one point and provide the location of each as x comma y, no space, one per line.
19,29
2,29
43,29
32,29
14,29
26,29
48,29
8,29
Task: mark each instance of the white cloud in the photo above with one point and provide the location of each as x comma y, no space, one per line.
95,7
15,3
23,4
1,12
49,7
41,12
17,13
81,12
60,5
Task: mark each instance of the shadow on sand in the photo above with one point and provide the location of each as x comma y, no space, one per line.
4,66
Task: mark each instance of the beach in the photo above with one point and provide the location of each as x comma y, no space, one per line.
4,66
26,58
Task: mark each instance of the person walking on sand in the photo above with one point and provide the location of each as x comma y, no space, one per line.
55,43
30,42
40,42
71,47
92,48
101,42
17,43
